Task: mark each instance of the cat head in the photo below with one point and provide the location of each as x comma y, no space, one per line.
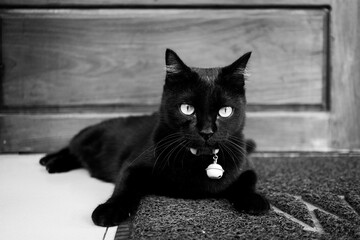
206,106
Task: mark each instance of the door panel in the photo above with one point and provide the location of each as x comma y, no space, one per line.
91,57
67,68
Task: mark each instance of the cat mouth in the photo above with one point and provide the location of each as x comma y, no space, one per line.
203,151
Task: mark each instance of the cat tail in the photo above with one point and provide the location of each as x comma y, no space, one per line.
250,146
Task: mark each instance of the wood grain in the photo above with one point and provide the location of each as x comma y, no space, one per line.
286,131
271,131
345,84
65,53
80,57
167,2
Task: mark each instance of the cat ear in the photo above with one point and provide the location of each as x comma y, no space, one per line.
234,75
238,68
174,64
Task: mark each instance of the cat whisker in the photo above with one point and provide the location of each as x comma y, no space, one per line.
167,157
147,150
237,148
165,141
160,144
166,145
235,140
234,148
184,152
231,153
168,137
238,139
182,145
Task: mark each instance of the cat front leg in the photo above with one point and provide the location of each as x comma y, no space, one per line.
123,202
243,196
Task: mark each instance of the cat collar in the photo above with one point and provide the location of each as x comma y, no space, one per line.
214,170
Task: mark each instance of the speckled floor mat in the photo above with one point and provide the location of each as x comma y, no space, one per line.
311,198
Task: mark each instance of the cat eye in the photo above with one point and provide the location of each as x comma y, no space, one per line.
225,112
187,109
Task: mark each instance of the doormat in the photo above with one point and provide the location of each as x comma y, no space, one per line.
311,198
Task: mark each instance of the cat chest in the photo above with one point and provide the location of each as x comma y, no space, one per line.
190,184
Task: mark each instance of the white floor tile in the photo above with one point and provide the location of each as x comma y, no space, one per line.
38,205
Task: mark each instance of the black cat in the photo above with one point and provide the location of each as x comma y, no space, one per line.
200,122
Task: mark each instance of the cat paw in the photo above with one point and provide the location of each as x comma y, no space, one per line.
109,214
51,163
61,161
253,204
44,160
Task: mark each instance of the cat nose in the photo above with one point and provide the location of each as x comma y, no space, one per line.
206,133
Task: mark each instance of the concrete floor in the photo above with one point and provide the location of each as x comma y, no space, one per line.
38,205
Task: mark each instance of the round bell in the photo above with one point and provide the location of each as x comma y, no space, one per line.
214,171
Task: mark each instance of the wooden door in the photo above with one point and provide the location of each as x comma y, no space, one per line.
67,65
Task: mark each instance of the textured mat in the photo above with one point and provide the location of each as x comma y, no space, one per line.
311,198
